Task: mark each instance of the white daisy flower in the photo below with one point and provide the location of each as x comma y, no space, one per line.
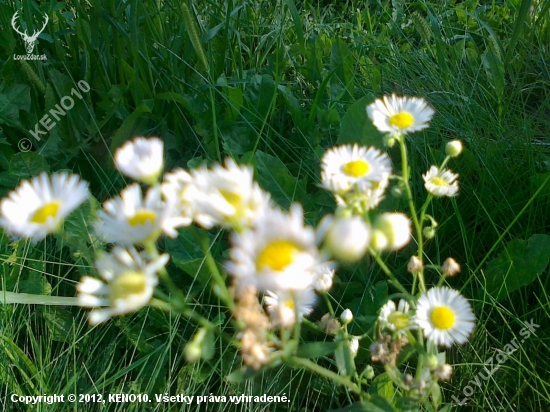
39,207
283,306
391,231
323,278
141,159
227,196
394,114
441,183
346,167
277,254
396,318
365,200
129,219
178,187
445,316
130,278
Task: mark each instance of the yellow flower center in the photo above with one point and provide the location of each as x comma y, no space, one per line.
277,255
127,284
402,120
232,198
142,217
443,318
357,168
399,319
438,181
42,215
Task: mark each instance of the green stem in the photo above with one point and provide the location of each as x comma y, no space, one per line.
417,224
387,271
342,380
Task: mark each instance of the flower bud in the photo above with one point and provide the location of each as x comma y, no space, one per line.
354,346
346,316
397,191
450,268
193,350
390,140
348,238
432,362
429,232
453,148
368,373
415,265
392,231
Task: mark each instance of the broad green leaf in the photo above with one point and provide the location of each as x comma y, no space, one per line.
356,127
382,385
187,254
28,164
518,265
12,100
316,349
125,131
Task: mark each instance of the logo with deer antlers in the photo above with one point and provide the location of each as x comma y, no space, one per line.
30,41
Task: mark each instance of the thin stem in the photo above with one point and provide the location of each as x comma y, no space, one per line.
388,272
342,380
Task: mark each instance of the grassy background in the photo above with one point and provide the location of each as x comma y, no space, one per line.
274,84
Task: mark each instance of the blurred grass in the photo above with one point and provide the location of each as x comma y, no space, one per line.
268,82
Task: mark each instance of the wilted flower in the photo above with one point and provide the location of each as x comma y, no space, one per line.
450,267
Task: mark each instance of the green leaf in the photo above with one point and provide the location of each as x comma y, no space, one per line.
188,256
343,355
316,349
12,100
124,132
28,164
518,265
274,177
376,404
60,323
382,385
356,127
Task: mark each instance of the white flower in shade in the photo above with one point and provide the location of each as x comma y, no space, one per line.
393,114
396,318
354,346
39,207
346,238
445,316
391,231
346,167
366,199
178,187
284,306
129,219
323,278
141,159
278,254
441,183
130,278
227,196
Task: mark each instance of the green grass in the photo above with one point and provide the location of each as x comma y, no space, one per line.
269,83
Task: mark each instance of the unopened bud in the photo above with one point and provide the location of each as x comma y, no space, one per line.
453,148
346,316
429,232
432,362
348,238
393,231
397,191
368,373
390,140
415,265
450,268
354,346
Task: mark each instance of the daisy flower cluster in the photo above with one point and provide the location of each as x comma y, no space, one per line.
278,265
